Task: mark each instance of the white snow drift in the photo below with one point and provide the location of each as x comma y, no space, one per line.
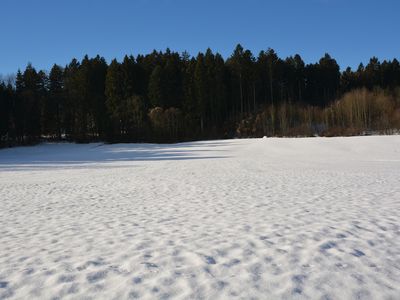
313,218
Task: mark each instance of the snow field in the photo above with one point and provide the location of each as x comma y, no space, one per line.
313,218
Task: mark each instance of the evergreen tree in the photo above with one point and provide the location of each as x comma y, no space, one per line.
268,60
75,120
29,98
18,115
156,88
236,63
165,96
115,98
201,90
55,102
5,112
329,78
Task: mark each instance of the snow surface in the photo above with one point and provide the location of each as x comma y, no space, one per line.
315,218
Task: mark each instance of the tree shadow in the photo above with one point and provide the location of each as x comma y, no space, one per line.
65,155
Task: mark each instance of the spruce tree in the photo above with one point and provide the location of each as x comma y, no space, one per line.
55,104
156,87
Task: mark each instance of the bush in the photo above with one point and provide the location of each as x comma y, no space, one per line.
357,112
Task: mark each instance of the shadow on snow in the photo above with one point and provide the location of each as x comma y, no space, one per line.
88,155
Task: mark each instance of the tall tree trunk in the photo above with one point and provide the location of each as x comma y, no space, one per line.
299,84
58,122
270,84
241,96
254,96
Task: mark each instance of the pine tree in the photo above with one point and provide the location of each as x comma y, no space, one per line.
30,104
179,96
237,67
5,113
55,104
201,90
156,88
75,113
18,108
115,98
329,79
99,111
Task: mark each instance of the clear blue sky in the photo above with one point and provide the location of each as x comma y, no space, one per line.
44,32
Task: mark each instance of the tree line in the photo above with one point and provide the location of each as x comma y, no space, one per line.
168,96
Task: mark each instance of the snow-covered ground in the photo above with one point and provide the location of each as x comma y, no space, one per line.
315,218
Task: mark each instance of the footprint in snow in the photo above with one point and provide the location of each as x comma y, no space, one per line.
96,276
327,246
357,253
210,260
341,236
150,265
137,280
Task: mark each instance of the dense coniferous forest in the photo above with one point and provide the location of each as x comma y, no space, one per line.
168,97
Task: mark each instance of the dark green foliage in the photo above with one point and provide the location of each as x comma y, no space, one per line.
30,89
54,104
6,93
167,96
157,93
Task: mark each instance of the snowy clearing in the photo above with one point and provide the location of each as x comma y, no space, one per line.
315,218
